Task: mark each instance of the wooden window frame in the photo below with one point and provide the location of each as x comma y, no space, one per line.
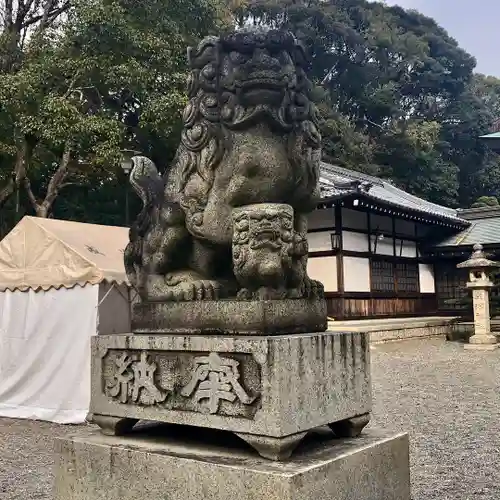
449,289
395,265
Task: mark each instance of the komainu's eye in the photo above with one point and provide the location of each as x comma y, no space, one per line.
238,57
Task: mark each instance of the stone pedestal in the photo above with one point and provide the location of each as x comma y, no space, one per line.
270,391
96,467
232,317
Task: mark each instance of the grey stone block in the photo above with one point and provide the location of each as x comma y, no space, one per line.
233,317
96,467
273,387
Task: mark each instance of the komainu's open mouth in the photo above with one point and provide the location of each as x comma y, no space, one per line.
266,235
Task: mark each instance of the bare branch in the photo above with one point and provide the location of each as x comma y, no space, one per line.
71,87
22,157
18,174
23,9
22,41
374,124
47,17
57,179
68,184
42,208
47,8
8,14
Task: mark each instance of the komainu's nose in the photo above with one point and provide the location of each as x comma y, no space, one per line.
262,57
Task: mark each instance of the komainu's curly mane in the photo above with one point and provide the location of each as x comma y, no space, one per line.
220,68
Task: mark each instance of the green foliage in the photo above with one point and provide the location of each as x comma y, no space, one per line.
487,88
486,201
106,75
399,96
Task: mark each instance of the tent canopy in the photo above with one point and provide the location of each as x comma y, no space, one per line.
48,253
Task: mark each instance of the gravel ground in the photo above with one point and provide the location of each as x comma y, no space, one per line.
446,398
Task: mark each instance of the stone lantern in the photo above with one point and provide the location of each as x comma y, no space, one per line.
479,282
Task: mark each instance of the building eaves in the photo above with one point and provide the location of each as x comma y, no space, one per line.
334,181
484,231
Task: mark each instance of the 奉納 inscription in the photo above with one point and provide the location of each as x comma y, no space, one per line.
133,380
216,379
193,381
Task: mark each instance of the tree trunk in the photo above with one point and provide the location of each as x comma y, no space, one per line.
6,192
18,173
43,209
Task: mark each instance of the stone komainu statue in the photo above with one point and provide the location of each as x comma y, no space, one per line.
250,137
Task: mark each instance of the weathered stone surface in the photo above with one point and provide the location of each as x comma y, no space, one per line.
269,256
480,284
229,218
481,307
95,467
232,317
273,386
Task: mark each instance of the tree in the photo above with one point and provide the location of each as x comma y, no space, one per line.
486,201
391,79
487,89
108,74
411,154
20,20
82,79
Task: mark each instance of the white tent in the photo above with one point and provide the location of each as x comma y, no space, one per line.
60,283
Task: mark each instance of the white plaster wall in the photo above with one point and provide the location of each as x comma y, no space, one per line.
319,241
356,274
408,249
323,217
324,269
426,274
356,242
384,247
354,219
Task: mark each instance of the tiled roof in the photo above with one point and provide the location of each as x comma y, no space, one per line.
484,231
333,176
494,135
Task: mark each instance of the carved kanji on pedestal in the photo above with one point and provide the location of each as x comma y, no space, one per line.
216,379
134,381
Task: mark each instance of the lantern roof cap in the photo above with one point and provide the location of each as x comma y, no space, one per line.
478,260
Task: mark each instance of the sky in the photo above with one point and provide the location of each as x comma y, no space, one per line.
475,24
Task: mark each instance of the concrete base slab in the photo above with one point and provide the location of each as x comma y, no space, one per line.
481,347
483,339
393,329
374,466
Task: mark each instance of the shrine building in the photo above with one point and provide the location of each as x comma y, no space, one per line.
382,252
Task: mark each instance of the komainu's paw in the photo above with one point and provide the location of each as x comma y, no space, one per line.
196,290
189,286
244,294
313,288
